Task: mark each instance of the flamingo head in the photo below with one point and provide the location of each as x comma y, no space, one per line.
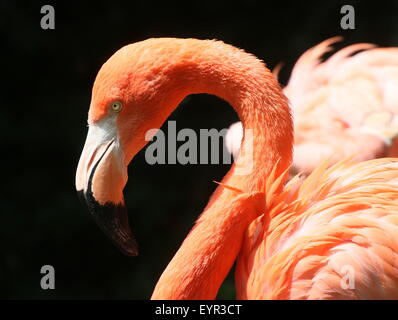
131,95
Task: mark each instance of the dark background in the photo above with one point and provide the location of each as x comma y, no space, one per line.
46,79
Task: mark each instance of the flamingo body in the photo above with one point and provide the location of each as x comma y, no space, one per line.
291,240
333,235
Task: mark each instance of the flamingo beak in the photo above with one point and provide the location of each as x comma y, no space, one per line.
100,178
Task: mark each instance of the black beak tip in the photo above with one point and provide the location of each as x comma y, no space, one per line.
81,196
112,219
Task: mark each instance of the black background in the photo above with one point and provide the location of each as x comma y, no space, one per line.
46,79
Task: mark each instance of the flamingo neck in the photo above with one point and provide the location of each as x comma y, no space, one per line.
210,249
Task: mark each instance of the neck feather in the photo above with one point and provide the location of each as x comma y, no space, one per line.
209,251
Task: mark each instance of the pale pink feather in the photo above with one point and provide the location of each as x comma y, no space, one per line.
344,106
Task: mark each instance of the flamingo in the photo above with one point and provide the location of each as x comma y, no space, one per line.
346,105
331,235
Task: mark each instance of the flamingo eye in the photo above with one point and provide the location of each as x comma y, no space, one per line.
116,106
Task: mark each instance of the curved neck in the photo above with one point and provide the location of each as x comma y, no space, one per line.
207,254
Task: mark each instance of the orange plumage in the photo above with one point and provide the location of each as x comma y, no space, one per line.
291,240
336,228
